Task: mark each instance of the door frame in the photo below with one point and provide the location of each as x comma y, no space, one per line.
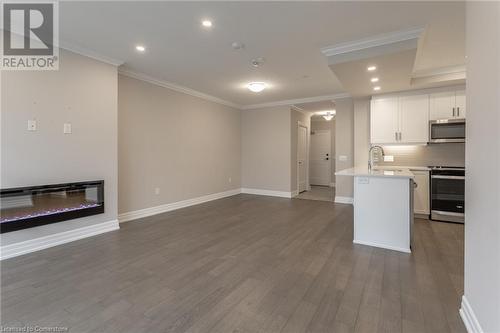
330,158
308,186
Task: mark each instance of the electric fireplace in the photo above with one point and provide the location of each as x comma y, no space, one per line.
32,206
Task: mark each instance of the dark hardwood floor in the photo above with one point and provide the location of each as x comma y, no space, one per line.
240,264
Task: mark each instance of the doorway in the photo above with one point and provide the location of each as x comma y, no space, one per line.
302,158
321,161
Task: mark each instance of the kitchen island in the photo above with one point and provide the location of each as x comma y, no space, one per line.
383,207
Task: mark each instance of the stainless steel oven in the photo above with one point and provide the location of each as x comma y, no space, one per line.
447,130
448,194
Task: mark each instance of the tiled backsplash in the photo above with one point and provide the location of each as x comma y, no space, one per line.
446,154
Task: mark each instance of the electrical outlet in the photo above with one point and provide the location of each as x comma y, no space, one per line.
157,190
342,158
363,180
32,125
388,158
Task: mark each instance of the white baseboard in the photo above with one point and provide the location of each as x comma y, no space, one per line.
270,193
295,193
344,200
469,318
32,245
383,246
137,214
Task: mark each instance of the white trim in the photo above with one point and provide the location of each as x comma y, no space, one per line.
176,87
32,245
270,193
137,214
374,41
308,134
296,101
469,318
457,69
383,246
344,200
90,54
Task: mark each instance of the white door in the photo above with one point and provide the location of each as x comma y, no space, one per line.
302,158
320,158
384,120
442,105
460,104
414,119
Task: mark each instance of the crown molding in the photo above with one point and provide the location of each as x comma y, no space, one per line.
291,102
90,54
374,41
176,87
457,69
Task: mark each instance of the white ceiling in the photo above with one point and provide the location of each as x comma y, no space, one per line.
289,35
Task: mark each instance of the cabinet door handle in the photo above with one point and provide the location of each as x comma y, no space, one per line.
458,111
453,112
400,136
396,136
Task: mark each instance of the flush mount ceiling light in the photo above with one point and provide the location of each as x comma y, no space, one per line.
140,48
374,79
328,115
377,88
371,68
256,86
206,23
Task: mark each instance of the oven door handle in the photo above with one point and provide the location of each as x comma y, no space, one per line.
448,177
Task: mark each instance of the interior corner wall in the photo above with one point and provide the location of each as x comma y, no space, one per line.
266,149
344,146
482,163
296,117
361,131
82,92
173,146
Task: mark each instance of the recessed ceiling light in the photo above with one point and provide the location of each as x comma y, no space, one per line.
206,23
374,79
140,48
376,88
256,86
371,68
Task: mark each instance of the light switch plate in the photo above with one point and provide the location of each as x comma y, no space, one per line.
388,158
67,128
342,158
32,125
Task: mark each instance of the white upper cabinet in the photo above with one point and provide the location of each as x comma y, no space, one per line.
449,104
400,120
414,119
384,120
460,104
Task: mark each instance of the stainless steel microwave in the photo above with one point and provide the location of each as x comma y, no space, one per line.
447,130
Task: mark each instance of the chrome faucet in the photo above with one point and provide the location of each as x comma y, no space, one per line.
370,155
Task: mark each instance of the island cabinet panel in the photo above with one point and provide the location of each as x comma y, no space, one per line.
384,120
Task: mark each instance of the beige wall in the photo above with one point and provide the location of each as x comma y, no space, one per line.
482,182
319,125
344,145
304,119
266,149
183,145
83,92
361,131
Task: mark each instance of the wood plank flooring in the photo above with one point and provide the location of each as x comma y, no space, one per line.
240,264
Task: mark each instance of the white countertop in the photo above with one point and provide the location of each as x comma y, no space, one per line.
389,172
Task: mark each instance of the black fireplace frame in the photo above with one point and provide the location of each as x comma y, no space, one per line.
54,218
